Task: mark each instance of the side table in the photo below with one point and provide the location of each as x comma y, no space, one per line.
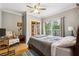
22,38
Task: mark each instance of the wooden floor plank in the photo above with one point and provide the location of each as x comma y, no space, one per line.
19,49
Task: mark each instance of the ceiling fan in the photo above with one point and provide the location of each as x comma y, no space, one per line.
36,8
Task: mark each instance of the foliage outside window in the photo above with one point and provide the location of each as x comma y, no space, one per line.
47,28
55,27
52,28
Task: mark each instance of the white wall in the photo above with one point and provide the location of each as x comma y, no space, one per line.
28,27
9,21
0,14
0,18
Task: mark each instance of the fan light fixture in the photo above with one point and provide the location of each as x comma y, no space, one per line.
36,8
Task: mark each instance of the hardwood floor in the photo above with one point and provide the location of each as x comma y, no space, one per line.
19,49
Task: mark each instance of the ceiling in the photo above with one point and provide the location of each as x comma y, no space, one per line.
51,8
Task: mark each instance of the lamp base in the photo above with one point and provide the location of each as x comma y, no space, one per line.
72,34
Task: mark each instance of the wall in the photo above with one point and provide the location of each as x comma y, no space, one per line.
71,18
0,18
28,27
9,21
0,14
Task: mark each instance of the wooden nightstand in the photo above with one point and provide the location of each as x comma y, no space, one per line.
22,38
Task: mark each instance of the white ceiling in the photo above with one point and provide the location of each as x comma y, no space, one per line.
51,8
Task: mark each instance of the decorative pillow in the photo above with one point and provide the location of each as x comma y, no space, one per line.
66,41
9,34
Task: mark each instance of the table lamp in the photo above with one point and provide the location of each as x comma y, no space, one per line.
70,28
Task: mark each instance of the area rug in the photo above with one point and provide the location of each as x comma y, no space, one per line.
30,53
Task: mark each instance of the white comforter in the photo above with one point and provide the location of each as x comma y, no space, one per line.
58,44
61,46
49,38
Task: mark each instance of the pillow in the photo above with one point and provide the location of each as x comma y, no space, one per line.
9,34
66,42
39,36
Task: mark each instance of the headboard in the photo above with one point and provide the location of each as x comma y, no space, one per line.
75,49
77,39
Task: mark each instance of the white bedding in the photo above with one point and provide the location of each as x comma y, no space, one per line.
49,38
63,43
58,43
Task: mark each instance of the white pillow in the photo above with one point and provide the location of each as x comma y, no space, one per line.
66,41
38,36
9,33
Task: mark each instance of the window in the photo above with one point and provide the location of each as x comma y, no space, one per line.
47,28
53,27
56,28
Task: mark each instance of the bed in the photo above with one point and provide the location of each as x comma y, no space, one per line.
50,46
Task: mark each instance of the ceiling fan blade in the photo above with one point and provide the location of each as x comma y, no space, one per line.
29,6
42,8
35,6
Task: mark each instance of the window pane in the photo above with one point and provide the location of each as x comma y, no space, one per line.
56,27
47,28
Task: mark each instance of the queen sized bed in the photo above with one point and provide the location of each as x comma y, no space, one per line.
52,45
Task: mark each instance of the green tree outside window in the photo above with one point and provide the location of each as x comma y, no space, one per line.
55,27
47,28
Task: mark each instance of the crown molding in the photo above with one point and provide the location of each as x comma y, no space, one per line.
12,12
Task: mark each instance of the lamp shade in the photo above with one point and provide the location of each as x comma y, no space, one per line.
70,28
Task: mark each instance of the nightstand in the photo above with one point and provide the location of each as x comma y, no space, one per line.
22,38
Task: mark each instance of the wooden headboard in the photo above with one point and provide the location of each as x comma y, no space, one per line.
75,49
77,38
